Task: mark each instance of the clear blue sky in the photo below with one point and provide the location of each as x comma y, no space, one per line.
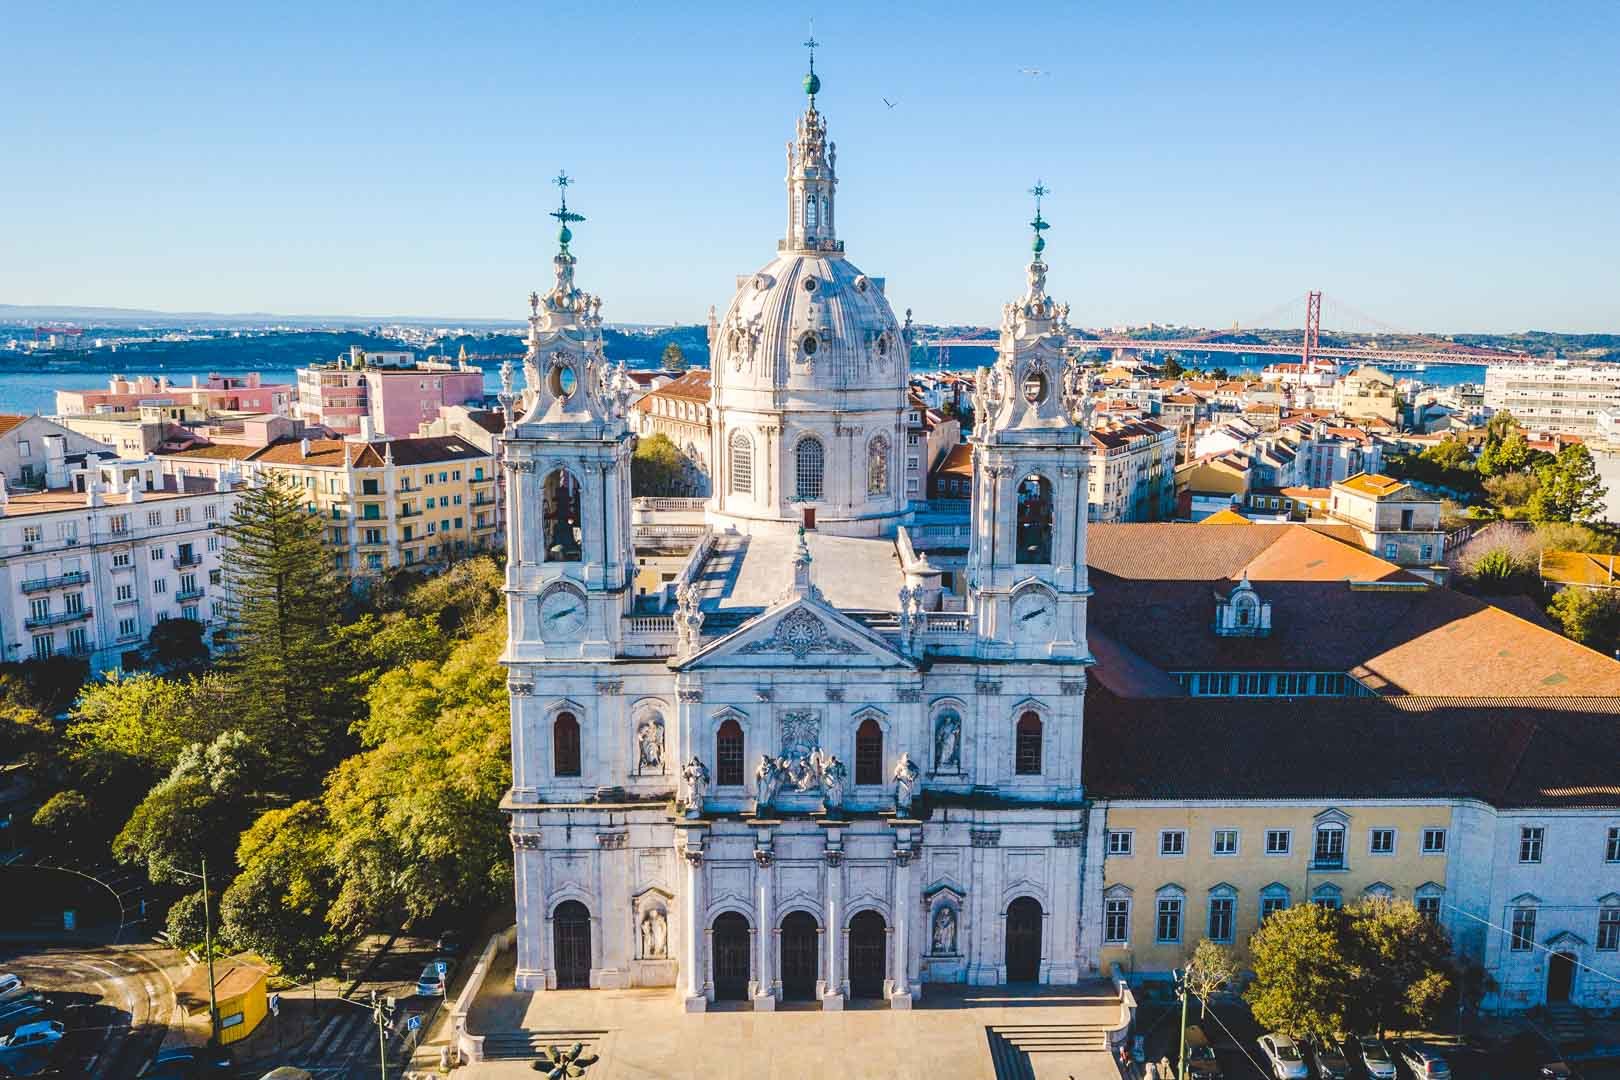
1437,166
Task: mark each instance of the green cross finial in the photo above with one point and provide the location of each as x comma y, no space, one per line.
1039,224
564,215
812,83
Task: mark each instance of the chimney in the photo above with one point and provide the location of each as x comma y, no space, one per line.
368,431
92,487
303,447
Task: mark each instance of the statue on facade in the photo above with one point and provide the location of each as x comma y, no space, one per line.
654,935
768,778
650,741
906,779
695,782
944,943
833,778
948,743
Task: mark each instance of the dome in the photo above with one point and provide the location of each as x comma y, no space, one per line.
806,321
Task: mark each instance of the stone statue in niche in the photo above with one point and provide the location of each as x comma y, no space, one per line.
654,935
650,745
695,781
944,943
767,780
906,779
833,778
948,743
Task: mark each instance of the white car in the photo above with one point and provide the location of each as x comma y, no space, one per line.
1287,1063
1375,1057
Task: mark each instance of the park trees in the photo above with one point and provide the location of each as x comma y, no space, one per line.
278,903
1212,966
1570,489
674,358
658,468
1300,969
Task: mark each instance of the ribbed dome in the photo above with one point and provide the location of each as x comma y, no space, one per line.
809,321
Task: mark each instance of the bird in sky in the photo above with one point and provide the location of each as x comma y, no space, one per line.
890,104
1034,73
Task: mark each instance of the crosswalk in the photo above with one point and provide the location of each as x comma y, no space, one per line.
346,1045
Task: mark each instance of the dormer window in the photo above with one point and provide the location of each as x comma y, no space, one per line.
1242,613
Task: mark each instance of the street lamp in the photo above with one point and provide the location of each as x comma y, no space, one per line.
208,945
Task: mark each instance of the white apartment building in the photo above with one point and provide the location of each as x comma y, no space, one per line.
88,569
1560,398
1133,472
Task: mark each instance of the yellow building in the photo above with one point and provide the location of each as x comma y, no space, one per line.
1175,872
239,994
388,503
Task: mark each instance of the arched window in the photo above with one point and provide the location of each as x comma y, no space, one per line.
561,517
1027,754
809,212
742,464
809,460
869,752
877,466
565,745
728,754
1035,512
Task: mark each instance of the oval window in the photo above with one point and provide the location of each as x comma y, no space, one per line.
808,344
1035,387
810,284
563,381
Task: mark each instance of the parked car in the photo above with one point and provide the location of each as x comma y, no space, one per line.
450,943
1377,1063
191,1063
1421,1061
29,1014
1283,1055
1329,1060
431,983
1529,1055
15,990
9,982
40,1036
1201,1060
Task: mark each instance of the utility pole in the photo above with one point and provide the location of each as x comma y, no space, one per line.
382,1011
208,943
1183,994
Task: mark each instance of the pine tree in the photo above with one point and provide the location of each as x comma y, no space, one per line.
1570,487
288,668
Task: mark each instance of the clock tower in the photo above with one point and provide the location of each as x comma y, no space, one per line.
570,563
1027,555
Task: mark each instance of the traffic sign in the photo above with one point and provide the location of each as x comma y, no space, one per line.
413,1022
275,1004
444,968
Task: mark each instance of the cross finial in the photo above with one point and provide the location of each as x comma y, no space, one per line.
811,43
564,216
1039,224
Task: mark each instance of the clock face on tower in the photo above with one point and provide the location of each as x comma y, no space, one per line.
562,614
1034,615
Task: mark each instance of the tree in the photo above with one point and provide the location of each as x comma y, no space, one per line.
1508,455
132,728
1512,493
186,924
1588,617
195,812
287,668
1173,368
1570,488
1212,966
674,358
1301,983
175,647
1449,455
1400,966
658,468
69,821
278,903
1562,536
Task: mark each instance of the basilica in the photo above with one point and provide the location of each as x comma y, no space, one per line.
816,765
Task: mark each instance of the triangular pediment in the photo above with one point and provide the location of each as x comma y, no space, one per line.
800,632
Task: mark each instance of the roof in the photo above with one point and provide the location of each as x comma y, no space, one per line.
958,462
692,385
753,571
1581,568
331,453
231,979
1335,607
221,452
1502,750
10,420
57,500
1373,484
491,420
1227,516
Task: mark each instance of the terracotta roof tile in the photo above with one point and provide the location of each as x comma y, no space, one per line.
9,421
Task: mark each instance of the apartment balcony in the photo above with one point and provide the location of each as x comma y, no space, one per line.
188,594
409,514
77,577
482,501
57,618
187,560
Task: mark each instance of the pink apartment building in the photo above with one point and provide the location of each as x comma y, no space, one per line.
217,393
397,392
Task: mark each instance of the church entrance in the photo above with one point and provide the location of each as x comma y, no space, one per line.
1560,977
730,957
868,944
799,949
1023,940
571,933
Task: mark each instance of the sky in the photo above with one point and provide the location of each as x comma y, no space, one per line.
1439,167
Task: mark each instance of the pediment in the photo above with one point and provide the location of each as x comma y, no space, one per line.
951,887
798,633
1566,938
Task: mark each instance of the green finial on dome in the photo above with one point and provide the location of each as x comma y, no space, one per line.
812,82
1039,224
564,215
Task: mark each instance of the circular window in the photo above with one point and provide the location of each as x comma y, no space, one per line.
808,343
810,284
1035,387
563,381
861,283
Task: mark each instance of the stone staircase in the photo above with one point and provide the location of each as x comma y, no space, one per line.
1566,1024
1011,1045
522,1045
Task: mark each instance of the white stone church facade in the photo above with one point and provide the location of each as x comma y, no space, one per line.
812,772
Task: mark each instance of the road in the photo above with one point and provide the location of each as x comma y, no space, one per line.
121,992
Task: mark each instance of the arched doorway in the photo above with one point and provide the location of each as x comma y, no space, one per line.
1560,977
1024,940
571,933
799,949
730,957
868,959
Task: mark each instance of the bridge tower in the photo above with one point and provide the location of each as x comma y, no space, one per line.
1313,326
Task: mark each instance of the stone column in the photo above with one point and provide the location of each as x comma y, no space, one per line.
764,997
899,988
832,986
531,921
693,997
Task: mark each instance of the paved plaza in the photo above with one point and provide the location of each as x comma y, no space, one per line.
954,1033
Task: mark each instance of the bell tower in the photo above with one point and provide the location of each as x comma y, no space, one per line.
570,562
1027,554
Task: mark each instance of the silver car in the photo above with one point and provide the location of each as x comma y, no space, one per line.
1284,1057
1374,1055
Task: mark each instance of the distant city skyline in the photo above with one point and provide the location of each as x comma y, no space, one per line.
1445,170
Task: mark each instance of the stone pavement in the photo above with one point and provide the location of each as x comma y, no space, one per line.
951,1034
